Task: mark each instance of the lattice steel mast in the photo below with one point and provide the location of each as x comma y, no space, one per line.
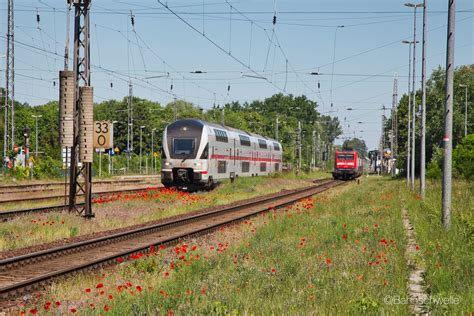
82,148
9,103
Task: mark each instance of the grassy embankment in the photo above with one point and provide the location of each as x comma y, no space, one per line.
37,229
448,256
342,252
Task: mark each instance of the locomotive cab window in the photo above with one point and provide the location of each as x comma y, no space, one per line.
183,146
346,157
276,146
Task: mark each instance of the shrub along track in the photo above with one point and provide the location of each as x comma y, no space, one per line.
33,271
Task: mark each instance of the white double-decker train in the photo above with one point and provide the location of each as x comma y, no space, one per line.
197,154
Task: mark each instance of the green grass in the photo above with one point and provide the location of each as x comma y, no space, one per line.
37,229
344,255
448,255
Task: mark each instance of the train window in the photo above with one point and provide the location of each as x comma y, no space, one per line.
263,167
221,136
245,166
205,152
221,166
244,140
183,146
277,167
262,144
345,157
276,146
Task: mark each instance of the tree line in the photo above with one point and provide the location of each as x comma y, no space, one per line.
435,101
259,116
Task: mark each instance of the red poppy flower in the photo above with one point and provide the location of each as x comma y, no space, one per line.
274,270
33,311
73,310
58,303
139,288
344,236
98,286
88,290
120,260
111,297
106,308
417,247
328,261
92,305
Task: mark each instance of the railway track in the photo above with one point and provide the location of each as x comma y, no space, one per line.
42,186
35,270
8,215
59,196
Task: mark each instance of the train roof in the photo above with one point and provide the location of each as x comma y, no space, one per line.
224,127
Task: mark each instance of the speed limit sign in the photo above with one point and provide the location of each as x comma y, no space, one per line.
103,134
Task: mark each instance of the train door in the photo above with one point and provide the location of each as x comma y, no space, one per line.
271,167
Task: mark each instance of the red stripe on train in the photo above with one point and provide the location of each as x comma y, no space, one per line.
226,157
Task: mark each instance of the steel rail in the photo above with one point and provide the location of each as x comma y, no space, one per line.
58,196
9,265
7,215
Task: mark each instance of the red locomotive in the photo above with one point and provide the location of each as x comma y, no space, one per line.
348,165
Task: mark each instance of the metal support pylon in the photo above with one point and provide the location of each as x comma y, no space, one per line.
9,102
80,176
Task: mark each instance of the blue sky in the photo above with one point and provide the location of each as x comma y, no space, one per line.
368,52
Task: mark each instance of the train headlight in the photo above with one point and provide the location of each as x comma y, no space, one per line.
168,163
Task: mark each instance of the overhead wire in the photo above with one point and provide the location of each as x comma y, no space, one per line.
216,44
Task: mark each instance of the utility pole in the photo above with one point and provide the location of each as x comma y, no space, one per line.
409,110
175,110
394,141
129,124
448,117
153,160
299,145
414,6
223,115
9,104
36,133
82,148
423,106
141,134
465,107
66,48
276,128
313,150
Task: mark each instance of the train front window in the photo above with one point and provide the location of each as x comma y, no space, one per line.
345,157
183,146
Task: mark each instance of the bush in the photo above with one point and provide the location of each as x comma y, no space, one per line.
46,167
433,171
463,157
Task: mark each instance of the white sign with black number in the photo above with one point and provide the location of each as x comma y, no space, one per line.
103,135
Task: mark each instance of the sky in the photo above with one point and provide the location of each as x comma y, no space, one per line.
354,46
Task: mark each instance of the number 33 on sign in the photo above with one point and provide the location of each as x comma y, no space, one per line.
103,135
